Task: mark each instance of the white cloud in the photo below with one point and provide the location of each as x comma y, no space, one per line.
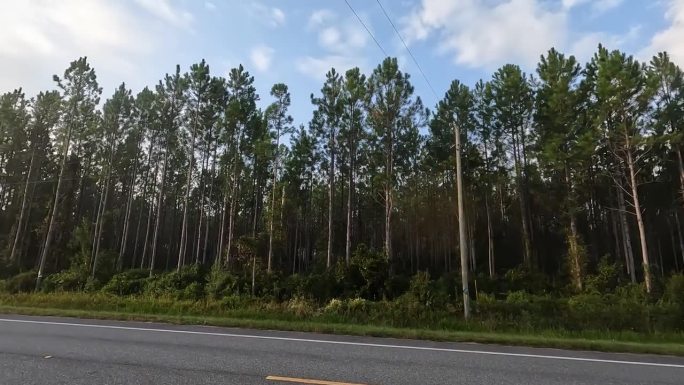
165,11
343,43
261,57
484,34
272,16
320,17
598,6
670,39
40,38
209,5
585,47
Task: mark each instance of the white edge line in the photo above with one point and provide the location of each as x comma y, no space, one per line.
365,344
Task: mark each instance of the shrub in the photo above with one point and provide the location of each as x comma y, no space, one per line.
606,279
300,307
221,283
523,278
374,269
177,284
92,285
127,283
21,283
67,280
674,297
3,286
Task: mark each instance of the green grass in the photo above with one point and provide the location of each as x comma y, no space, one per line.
279,317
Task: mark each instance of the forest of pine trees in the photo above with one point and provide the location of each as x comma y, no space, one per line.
564,169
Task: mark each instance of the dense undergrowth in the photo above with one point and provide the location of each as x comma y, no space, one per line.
364,293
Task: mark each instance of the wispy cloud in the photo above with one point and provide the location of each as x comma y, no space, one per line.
167,12
669,39
261,57
271,16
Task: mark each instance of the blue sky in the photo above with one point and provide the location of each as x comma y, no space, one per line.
297,41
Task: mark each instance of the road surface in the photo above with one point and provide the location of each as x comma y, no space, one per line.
51,350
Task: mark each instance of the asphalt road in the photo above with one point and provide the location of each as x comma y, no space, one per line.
50,350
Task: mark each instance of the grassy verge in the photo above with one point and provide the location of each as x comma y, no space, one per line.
197,313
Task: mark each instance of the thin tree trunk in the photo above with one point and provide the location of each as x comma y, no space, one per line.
331,195
680,167
273,195
149,222
129,207
22,214
211,192
350,194
681,236
527,249
490,241
157,222
222,228
188,183
100,223
205,162
626,238
53,214
573,242
463,242
640,221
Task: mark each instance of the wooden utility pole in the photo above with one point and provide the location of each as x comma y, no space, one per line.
462,241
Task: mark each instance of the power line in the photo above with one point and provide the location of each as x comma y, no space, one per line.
407,48
367,30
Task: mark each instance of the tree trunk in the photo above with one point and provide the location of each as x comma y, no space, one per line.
673,243
100,223
22,214
219,252
680,167
211,192
149,222
273,197
527,248
234,188
350,195
681,237
157,222
389,174
129,206
490,241
188,185
53,214
205,163
573,241
626,238
640,220
462,240
331,194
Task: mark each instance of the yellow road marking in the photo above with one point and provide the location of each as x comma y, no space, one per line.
307,381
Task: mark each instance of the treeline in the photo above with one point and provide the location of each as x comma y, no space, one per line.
562,169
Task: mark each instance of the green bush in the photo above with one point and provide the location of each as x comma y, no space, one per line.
3,286
606,279
374,269
67,280
529,280
21,283
177,284
674,297
127,283
221,283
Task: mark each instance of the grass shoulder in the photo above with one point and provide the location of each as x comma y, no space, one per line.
292,316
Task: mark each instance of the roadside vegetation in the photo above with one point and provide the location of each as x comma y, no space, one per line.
201,200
